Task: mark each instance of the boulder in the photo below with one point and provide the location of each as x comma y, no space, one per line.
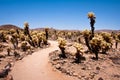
70,50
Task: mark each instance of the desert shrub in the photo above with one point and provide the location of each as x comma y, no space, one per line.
62,44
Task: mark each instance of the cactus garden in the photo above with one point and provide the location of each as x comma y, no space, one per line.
76,54
59,40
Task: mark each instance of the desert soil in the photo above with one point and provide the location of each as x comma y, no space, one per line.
37,66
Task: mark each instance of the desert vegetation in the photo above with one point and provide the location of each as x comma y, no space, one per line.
17,43
80,51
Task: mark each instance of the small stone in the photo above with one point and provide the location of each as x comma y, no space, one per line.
100,78
57,66
9,77
92,75
75,74
83,68
97,68
63,70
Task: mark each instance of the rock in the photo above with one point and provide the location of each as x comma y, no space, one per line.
75,74
2,55
9,77
70,50
100,78
97,68
3,73
92,75
57,66
63,70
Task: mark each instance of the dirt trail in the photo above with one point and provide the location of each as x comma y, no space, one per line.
36,66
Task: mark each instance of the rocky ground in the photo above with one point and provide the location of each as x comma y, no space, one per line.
11,59
38,65
106,68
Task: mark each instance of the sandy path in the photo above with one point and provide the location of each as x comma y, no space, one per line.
36,66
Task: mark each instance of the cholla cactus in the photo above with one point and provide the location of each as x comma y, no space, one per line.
46,32
96,44
8,51
15,36
79,52
35,40
26,29
92,17
14,42
105,46
24,45
107,37
12,31
2,36
40,38
86,34
62,44
117,39
44,38
69,35
22,37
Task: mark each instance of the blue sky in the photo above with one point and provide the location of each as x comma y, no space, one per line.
61,14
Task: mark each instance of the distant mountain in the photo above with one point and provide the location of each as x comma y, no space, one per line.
8,27
107,30
101,30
